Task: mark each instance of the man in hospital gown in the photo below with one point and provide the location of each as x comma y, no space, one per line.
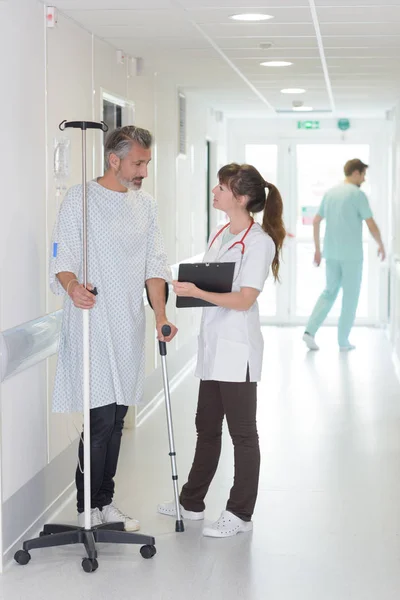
125,251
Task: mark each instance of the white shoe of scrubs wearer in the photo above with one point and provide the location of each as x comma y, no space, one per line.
169,509
112,514
227,525
96,518
348,348
310,342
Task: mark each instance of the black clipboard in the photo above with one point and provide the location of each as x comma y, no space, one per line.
211,277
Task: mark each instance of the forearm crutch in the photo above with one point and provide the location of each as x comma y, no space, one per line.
166,331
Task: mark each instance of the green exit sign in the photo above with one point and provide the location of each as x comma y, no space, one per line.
307,124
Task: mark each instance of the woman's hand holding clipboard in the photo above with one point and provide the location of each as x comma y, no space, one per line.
209,277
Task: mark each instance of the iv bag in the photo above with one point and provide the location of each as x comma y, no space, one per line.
61,163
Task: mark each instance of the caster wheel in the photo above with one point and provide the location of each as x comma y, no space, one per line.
22,557
148,551
90,565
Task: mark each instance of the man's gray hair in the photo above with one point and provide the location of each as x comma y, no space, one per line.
119,142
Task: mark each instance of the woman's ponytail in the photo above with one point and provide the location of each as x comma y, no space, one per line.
273,224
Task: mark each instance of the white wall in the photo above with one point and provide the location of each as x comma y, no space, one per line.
56,74
22,228
395,236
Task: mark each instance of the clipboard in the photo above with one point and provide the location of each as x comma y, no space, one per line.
211,277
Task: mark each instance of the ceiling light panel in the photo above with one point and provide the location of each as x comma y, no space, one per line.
251,17
276,63
293,91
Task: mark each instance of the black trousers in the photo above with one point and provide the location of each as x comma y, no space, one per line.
106,424
238,402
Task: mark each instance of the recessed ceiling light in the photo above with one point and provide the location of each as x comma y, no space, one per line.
276,63
303,108
293,91
251,17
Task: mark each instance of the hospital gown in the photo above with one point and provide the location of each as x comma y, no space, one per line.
125,249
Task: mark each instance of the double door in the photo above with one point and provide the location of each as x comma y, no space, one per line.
304,172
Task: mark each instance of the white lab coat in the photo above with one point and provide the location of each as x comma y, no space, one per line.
231,340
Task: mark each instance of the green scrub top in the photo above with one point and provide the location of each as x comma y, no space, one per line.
344,207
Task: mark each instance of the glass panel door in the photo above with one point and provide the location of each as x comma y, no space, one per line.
318,168
303,173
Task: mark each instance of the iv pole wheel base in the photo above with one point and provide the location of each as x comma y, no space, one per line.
148,551
179,527
90,565
22,557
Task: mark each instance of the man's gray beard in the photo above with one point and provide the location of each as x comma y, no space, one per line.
130,185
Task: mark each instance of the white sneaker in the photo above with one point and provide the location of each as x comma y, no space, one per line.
310,342
96,518
227,525
169,509
112,514
348,348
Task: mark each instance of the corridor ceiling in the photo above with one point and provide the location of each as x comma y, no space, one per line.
345,53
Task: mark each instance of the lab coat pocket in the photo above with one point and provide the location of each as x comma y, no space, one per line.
231,360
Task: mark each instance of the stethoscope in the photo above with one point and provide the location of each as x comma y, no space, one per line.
238,243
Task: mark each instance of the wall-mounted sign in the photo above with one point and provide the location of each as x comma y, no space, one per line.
343,124
308,125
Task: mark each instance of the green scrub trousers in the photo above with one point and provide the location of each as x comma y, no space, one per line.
345,274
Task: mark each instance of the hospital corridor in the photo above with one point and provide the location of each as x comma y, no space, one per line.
200,300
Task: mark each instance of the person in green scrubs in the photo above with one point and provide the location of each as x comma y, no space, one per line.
344,208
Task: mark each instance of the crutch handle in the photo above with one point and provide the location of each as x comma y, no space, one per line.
166,330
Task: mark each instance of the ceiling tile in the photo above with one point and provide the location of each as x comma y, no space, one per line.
359,14
361,41
277,42
280,15
272,30
360,29
264,4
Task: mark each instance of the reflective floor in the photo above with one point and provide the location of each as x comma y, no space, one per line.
327,522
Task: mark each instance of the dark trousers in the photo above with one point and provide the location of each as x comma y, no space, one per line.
238,401
106,424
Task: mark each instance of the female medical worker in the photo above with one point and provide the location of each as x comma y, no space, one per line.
231,346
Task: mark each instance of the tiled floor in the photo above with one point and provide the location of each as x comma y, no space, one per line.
327,522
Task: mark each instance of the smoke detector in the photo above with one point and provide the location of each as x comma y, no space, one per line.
266,45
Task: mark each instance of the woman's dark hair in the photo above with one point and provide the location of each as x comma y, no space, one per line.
245,180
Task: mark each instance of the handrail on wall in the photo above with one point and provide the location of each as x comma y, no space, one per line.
29,343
